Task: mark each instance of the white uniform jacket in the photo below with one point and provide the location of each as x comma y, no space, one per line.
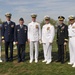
34,31
48,33
71,30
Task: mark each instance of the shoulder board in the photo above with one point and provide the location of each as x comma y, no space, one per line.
4,22
51,24
25,25
17,25
29,22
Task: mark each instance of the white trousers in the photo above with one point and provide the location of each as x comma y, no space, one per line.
32,45
47,48
72,49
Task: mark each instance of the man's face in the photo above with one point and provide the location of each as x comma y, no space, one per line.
47,21
33,19
8,18
21,22
71,21
61,21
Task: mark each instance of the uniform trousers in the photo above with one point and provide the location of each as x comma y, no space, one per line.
72,49
21,52
47,48
61,53
8,44
32,45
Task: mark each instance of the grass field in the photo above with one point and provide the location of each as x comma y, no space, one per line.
54,68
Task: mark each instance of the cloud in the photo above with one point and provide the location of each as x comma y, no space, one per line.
0,10
20,9
20,2
24,8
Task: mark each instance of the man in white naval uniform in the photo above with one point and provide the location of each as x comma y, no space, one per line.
34,36
48,33
71,31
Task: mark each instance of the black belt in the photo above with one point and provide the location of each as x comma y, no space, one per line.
71,36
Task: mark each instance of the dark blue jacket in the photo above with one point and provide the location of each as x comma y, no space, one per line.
8,31
20,34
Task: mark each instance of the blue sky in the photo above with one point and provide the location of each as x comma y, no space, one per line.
24,8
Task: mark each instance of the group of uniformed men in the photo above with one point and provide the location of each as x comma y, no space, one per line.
20,34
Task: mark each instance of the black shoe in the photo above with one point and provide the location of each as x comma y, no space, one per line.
23,60
10,60
62,62
57,60
6,60
19,61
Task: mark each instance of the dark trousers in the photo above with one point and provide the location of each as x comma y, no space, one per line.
61,53
21,52
9,44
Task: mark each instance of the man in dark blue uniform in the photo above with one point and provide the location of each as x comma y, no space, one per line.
62,38
20,36
8,36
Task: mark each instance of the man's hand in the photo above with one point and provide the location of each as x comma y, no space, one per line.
28,40
40,41
65,43
16,43
50,43
3,41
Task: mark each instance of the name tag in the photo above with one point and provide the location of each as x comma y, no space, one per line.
12,26
18,30
25,29
5,25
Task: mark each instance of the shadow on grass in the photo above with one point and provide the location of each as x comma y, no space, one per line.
41,56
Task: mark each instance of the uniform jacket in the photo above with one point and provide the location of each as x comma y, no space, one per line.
62,34
48,33
8,31
71,30
34,31
20,34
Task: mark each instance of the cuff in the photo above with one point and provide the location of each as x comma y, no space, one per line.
2,37
66,40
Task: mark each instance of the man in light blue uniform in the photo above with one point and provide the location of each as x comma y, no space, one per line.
20,36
